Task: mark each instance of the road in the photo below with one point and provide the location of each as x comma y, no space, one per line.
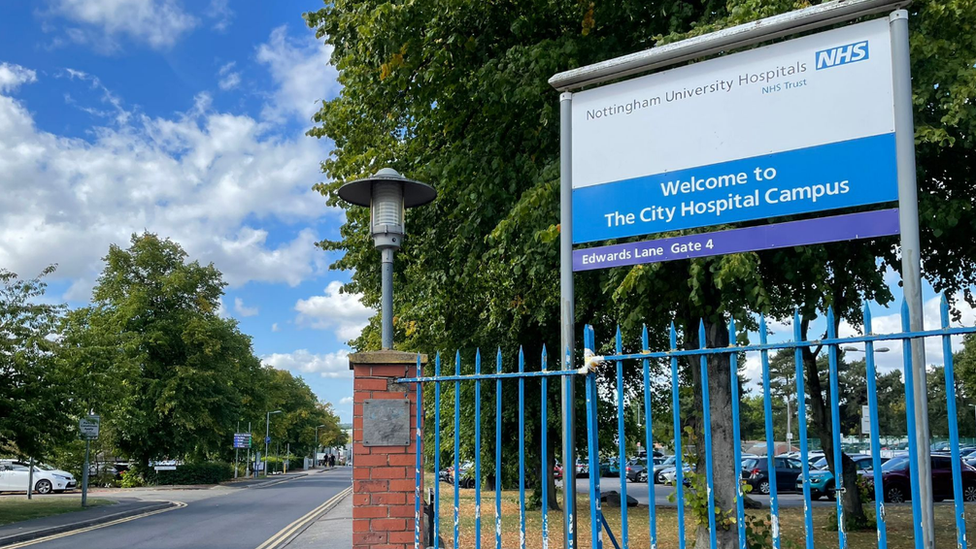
638,490
225,518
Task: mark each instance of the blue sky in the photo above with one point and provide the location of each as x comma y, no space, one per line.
185,118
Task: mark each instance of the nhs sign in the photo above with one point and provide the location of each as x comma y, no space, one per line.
842,55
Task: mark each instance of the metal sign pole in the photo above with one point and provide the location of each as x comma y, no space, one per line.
911,265
84,475
566,316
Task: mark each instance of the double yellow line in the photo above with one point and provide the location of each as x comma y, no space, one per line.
176,505
287,532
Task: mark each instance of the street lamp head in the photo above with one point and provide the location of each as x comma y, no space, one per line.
387,194
274,412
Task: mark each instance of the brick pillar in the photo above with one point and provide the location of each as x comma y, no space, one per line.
383,475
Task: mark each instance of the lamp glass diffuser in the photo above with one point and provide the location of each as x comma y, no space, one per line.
387,208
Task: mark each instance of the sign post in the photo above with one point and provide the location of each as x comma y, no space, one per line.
88,427
241,440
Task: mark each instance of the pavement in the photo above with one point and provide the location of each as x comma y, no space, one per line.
269,514
333,529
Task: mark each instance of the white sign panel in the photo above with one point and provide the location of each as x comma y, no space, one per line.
865,420
89,426
800,126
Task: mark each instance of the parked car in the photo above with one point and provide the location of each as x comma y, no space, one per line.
755,472
822,480
15,477
669,475
897,487
637,469
668,462
604,469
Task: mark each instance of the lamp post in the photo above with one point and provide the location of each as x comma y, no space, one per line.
974,409
387,194
267,439
315,450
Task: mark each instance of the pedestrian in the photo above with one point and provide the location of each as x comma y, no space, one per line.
332,460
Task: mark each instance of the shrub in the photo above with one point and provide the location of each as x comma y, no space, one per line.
193,473
131,479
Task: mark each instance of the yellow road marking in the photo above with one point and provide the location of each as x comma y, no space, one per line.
289,530
178,505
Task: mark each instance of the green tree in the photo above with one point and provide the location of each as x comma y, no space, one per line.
35,399
170,377
457,95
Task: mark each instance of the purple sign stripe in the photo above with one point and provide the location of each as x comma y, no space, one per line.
766,237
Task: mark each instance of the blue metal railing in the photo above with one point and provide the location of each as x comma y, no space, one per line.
598,391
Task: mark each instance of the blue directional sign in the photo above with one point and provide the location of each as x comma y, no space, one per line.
764,237
826,177
267,440
242,440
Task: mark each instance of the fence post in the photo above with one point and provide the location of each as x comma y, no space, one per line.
384,469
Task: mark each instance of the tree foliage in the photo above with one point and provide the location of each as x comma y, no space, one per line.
169,376
34,391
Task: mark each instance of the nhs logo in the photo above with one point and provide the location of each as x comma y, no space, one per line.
842,55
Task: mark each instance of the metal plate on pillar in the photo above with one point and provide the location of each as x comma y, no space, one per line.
386,422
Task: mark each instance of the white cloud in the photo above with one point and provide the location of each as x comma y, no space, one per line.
343,313
275,328
243,310
301,70
209,180
12,76
330,365
346,400
101,23
221,13
229,79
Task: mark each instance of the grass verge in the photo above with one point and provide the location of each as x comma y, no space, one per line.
898,523
17,509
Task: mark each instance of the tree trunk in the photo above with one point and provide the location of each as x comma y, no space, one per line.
725,472
821,412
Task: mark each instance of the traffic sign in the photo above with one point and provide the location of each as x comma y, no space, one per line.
242,440
89,427
267,440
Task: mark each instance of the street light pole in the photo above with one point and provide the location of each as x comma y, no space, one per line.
974,410
267,439
237,454
387,194
315,450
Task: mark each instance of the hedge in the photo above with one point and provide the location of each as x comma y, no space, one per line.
193,473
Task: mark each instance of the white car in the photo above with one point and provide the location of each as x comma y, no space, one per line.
15,475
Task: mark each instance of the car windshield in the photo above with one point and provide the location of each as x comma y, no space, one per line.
895,464
45,467
750,463
820,463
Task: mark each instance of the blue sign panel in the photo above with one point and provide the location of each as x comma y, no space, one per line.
825,177
765,237
242,440
267,440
